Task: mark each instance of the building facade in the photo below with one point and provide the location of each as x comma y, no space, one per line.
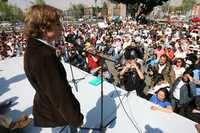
116,9
196,10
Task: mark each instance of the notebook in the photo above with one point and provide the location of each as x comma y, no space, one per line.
95,81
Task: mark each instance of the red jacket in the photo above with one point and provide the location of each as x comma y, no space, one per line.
92,64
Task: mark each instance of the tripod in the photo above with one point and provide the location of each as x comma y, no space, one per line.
75,81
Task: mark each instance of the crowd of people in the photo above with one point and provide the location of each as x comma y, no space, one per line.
160,62
11,44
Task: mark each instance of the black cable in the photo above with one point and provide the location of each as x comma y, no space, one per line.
132,121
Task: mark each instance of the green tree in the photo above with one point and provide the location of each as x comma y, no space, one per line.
39,2
165,7
3,0
187,5
147,5
78,10
132,9
10,12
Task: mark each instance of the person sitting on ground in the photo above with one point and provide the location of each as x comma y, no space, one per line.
198,127
179,67
158,83
7,125
196,78
164,67
181,92
162,99
91,60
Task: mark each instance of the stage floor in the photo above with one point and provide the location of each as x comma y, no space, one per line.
132,114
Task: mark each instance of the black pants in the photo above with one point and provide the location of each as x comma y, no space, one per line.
192,116
6,130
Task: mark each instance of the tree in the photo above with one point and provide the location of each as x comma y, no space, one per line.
78,10
146,5
132,9
10,12
165,7
187,5
3,0
39,2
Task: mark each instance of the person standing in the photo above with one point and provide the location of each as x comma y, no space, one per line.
54,103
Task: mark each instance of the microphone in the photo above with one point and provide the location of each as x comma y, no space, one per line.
71,38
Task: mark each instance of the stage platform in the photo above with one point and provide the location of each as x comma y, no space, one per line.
132,114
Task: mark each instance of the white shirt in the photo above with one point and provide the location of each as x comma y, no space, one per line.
178,72
176,92
157,87
161,68
179,54
46,43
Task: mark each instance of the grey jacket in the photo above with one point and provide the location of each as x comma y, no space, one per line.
184,91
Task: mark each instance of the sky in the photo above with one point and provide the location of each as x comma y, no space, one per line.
64,4
61,4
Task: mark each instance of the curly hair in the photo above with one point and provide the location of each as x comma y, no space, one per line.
39,19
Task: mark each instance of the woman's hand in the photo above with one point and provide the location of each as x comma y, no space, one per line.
154,108
133,64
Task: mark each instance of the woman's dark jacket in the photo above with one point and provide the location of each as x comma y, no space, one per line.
54,103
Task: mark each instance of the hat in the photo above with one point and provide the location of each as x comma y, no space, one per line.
169,46
118,37
87,45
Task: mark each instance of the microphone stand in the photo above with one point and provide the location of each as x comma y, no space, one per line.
102,126
75,81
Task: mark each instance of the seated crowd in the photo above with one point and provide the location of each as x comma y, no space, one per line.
161,64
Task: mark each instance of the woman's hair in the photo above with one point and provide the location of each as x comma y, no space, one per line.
189,72
198,62
164,90
165,56
133,53
39,19
182,60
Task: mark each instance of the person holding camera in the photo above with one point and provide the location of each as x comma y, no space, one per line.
131,74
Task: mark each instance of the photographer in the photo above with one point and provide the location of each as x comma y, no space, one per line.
131,74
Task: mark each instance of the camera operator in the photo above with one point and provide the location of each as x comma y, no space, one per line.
131,74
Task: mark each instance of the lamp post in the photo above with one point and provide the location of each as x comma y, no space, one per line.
95,7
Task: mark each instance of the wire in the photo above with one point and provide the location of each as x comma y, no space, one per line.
133,121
